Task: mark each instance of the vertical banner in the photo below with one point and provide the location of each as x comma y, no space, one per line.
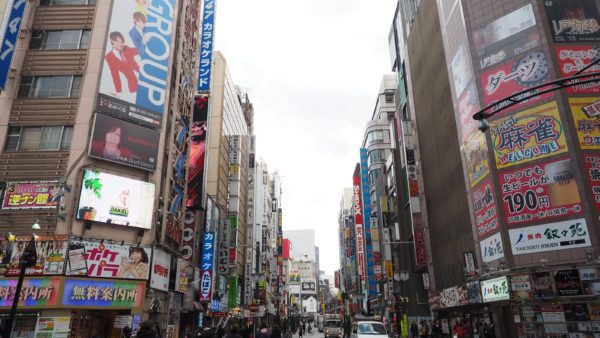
206,45
9,38
208,251
366,197
358,220
197,152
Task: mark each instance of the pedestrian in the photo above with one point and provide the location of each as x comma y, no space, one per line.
488,331
437,329
146,330
429,328
414,330
206,332
301,330
234,332
347,326
459,329
422,329
157,330
263,332
276,332
126,333
220,332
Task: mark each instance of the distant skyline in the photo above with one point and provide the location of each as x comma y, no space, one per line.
312,70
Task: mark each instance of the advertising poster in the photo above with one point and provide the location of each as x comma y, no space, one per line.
114,260
495,289
467,105
491,248
573,59
52,327
136,66
51,255
590,280
197,152
113,199
567,282
592,167
529,135
36,292
540,192
31,195
506,37
574,20
586,114
576,312
102,293
181,275
124,142
520,286
514,76
542,284
484,208
476,158
371,245
161,268
550,237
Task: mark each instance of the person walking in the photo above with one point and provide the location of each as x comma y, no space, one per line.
301,330
422,329
146,330
347,327
459,329
263,332
437,329
126,333
414,329
234,332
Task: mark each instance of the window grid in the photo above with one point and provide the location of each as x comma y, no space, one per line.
39,138
50,86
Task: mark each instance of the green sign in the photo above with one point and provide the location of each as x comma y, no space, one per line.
232,292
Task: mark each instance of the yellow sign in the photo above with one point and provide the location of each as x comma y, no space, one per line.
234,169
528,135
476,157
586,115
404,326
389,268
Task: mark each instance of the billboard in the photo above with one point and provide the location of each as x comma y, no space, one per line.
133,84
309,286
108,260
574,20
31,195
484,209
476,158
550,237
206,45
11,27
161,268
540,192
51,255
358,219
113,199
491,248
592,168
92,293
495,289
124,142
369,245
586,113
573,59
197,152
529,135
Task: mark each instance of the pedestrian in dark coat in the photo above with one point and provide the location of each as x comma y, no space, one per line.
146,330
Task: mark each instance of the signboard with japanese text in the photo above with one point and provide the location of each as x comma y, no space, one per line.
590,280
31,195
491,248
358,218
35,292
514,76
586,116
567,282
95,293
206,45
161,269
520,286
11,24
540,192
467,105
495,289
484,209
114,260
476,158
573,59
510,35
529,135
181,275
550,237
420,248
208,251
51,255
369,228
592,168
574,20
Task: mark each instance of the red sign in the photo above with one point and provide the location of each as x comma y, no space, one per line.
420,250
484,209
232,253
467,105
592,167
515,76
358,219
540,192
573,59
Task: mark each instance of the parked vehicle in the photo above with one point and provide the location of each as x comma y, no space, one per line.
332,328
368,329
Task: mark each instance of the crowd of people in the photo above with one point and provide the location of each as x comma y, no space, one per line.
433,329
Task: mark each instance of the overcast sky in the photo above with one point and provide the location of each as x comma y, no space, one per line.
312,69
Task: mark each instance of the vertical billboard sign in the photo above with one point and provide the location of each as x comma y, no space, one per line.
197,152
206,45
208,251
358,220
592,168
9,38
161,268
484,209
574,20
366,197
133,84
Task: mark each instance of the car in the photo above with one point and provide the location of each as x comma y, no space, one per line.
332,328
320,326
368,329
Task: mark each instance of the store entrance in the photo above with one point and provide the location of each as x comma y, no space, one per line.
96,324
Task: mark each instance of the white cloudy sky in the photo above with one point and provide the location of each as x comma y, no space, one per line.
312,69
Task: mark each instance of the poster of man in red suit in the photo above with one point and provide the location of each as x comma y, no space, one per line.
121,60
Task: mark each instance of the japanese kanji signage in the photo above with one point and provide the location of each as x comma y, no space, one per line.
31,195
420,248
51,253
528,135
491,248
161,268
206,45
495,289
36,292
590,280
573,21
476,158
572,59
549,237
540,192
592,167
520,286
208,251
181,275
484,209
586,113
371,248
102,293
358,219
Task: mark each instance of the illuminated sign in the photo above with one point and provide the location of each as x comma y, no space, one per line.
495,289
102,293
36,292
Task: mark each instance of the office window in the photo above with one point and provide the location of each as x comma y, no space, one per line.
376,156
65,39
39,138
50,86
67,2
376,136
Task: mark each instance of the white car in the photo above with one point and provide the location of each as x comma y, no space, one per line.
368,329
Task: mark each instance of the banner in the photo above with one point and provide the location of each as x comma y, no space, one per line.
592,168
12,28
491,248
206,45
495,289
358,218
573,59
208,251
540,192
136,67
520,286
586,113
574,20
550,237
124,143
112,260
484,209
35,292
91,293
529,135
420,248
31,195
161,269
369,245
197,152
51,255
181,275
476,158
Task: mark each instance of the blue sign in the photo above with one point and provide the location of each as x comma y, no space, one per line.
208,251
103,293
366,197
206,45
10,38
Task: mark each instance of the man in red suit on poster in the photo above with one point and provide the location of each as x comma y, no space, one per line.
121,60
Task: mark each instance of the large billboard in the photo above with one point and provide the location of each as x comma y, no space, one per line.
572,59
133,84
31,195
160,271
124,142
574,20
586,113
484,209
115,199
51,255
197,152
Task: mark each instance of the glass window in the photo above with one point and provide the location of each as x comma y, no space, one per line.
12,142
50,86
67,135
376,156
51,137
65,39
30,138
75,86
85,40
371,328
25,86
39,138
376,136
